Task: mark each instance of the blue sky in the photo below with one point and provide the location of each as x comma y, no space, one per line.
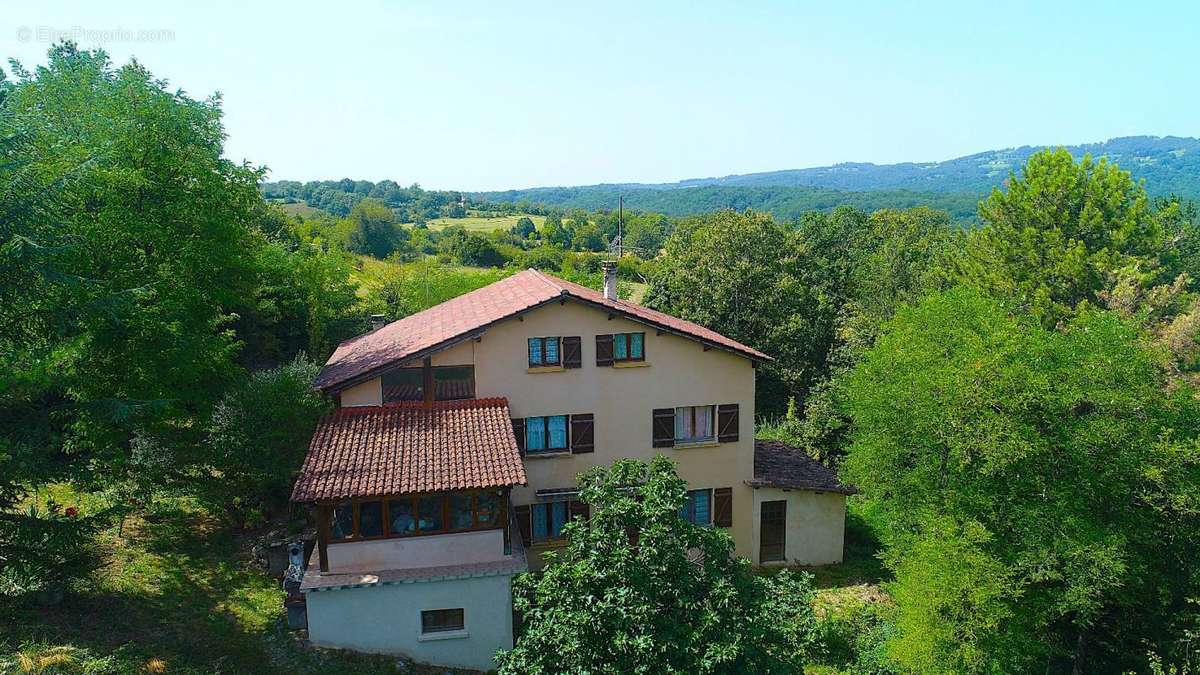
477,96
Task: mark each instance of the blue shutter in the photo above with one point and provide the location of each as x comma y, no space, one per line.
535,351
621,346
636,346
552,350
558,518
538,511
535,434
558,431
703,510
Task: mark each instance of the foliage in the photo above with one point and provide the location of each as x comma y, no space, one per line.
640,590
256,440
741,275
1060,235
413,287
373,230
137,264
1050,474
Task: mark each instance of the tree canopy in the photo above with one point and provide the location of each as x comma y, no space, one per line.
638,589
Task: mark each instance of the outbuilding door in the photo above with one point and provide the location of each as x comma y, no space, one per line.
772,523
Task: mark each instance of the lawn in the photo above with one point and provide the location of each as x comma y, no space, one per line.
177,593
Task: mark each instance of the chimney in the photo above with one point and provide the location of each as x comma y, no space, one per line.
378,321
609,267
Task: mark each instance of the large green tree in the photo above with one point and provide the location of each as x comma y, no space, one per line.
136,266
640,590
1064,233
742,274
1039,489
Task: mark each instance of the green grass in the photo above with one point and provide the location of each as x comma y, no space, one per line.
485,223
301,209
177,593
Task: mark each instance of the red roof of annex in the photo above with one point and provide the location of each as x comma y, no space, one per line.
411,447
469,314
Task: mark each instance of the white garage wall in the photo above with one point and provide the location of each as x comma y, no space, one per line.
387,619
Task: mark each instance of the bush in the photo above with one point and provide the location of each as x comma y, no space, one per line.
257,438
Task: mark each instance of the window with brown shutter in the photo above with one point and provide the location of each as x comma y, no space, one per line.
519,432
664,427
723,507
727,423
604,350
524,524
572,352
582,433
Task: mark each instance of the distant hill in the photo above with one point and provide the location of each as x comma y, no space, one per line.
1169,165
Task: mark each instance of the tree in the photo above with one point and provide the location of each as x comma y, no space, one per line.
257,437
524,227
1052,474
1062,234
741,274
373,229
640,590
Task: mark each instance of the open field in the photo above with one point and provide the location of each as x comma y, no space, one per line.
484,223
300,209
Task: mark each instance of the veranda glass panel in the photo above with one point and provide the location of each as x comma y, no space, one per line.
487,508
370,519
461,517
403,520
342,526
429,511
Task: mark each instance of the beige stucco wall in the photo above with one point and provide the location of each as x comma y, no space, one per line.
460,548
387,619
677,372
365,393
814,525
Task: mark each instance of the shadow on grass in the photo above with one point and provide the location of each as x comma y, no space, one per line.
178,587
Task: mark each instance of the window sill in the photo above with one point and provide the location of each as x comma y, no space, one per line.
631,364
696,444
545,369
444,635
547,455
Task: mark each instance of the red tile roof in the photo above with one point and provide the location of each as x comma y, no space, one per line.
779,465
468,314
407,448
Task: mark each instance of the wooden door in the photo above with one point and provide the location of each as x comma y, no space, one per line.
772,525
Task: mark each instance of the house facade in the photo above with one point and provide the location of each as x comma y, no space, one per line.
451,462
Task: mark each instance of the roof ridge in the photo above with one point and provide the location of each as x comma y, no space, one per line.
550,280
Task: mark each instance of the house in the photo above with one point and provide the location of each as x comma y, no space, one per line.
450,464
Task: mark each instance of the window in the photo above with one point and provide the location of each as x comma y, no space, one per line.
546,434
409,516
543,522
403,517
442,620
543,351
462,516
694,424
620,348
370,519
450,383
429,513
342,526
698,507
